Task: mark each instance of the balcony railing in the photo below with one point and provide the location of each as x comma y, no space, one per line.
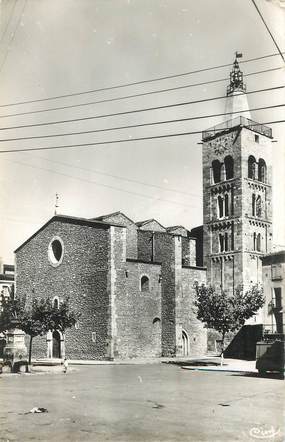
238,121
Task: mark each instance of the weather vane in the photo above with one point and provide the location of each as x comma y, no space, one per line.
56,203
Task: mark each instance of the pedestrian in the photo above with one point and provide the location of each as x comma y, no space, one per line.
65,365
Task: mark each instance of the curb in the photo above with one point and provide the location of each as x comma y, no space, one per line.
220,370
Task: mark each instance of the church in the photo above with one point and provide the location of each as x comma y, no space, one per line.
133,282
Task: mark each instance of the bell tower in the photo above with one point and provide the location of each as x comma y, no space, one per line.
237,192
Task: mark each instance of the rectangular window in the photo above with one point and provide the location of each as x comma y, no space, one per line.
93,336
256,138
276,272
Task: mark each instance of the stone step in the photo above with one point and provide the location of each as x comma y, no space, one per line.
48,362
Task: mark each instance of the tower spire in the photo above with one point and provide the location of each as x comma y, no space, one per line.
236,102
236,77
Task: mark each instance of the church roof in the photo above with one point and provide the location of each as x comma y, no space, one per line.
71,220
175,227
148,221
109,215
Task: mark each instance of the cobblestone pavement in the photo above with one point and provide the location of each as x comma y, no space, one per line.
124,403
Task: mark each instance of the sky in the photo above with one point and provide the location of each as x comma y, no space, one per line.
50,48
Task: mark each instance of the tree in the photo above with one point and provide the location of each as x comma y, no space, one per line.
62,317
11,310
226,312
37,318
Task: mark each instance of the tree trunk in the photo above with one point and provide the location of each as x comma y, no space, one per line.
223,343
30,350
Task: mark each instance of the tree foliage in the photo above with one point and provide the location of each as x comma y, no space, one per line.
11,310
226,312
62,317
36,318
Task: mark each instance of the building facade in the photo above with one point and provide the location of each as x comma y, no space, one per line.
7,276
273,268
133,284
237,190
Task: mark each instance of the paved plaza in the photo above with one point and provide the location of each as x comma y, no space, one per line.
154,402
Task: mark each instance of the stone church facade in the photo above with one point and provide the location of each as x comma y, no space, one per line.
134,282
131,282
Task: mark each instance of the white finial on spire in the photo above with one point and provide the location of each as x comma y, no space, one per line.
56,206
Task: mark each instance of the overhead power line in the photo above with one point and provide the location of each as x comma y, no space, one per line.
117,177
130,126
269,32
134,83
107,100
14,34
8,20
126,140
103,185
115,114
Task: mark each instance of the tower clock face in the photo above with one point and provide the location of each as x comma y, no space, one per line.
221,144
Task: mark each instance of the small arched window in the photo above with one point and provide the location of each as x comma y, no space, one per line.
223,172
216,167
226,242
222,242
254,241
258,242
251,167
258,209
261,170
227,205
55,302
229,165
253,204
220,207
144,284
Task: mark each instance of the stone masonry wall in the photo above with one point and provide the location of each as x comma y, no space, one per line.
138,313
165,252
145,245
82,276
121,219
116,284
188,251
187,314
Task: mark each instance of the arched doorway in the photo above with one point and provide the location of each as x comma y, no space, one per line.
185,344
156,337
56,350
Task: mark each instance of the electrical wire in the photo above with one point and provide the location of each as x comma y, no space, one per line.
126,140
115,114
129,180
131,126
270,33
107,100
13,35
134,83
103,185
8,21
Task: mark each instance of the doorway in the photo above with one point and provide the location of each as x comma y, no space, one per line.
185,344
56,352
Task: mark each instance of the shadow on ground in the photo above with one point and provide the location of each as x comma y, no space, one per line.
195,363
278,376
